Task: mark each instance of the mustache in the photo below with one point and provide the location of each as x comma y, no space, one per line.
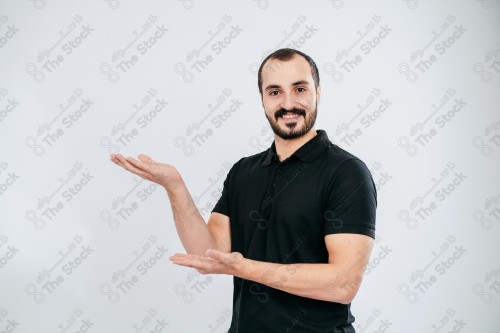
283,111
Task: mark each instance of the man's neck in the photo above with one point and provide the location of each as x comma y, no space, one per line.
285,148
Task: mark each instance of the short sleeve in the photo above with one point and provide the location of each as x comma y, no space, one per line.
222,206
351,200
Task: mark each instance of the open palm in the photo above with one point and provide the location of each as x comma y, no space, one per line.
147,168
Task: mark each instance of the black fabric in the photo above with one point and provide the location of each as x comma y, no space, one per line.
280,212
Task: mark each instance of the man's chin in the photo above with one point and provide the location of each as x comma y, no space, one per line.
290,132
291,129
291,125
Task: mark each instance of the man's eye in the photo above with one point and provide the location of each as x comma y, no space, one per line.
300,89
274,93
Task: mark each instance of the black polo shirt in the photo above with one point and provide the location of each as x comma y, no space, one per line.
280,212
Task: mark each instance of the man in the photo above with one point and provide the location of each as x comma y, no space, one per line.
295,224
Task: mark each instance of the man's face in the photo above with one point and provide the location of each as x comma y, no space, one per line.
289,97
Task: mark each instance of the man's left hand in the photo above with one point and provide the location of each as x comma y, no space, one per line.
214,262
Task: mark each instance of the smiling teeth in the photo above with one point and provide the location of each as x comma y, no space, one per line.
290,115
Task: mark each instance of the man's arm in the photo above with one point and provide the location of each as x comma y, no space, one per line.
336,281
196,235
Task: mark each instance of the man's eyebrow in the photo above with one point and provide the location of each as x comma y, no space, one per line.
272,86
297,83
300,82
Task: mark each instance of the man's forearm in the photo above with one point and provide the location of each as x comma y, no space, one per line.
319,281
191,227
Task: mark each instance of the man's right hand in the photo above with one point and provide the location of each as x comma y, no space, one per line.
196,235
163,174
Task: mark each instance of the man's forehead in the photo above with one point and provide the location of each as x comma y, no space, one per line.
296,68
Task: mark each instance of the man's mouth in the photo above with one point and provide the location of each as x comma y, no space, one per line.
290,114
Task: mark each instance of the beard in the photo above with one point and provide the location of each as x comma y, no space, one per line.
293,131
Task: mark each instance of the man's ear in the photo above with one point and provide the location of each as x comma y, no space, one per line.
318,94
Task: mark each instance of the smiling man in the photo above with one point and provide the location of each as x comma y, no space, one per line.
295,224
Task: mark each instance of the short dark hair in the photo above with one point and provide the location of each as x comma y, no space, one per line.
285,55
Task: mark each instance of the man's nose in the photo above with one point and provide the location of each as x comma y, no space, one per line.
288,102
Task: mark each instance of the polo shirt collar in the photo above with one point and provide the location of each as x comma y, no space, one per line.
307,153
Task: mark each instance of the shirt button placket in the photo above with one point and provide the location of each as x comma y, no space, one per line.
279,171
